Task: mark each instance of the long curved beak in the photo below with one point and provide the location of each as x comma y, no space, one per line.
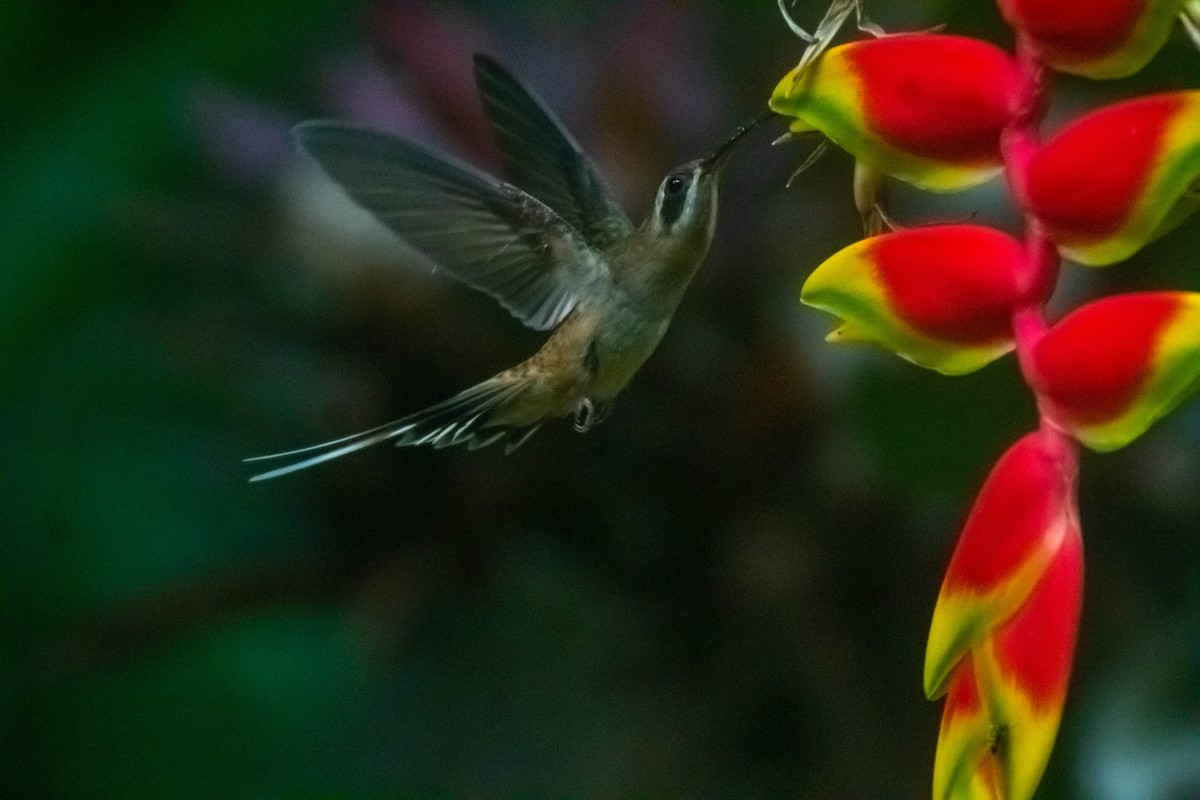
714,161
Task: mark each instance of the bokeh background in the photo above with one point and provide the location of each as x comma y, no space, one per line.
723,591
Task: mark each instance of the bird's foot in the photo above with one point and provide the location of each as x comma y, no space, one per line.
590,413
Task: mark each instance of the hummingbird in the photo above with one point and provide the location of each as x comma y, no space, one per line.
553,247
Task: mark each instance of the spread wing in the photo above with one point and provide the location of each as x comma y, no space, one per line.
543,159
490,235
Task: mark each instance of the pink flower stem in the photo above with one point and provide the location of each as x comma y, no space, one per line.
1018,143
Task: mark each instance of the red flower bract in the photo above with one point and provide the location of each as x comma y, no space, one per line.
1003,632
942,97
1085,181
957,283
1094,38
1024,512
1037,645
1015,508
1093,363
1081,27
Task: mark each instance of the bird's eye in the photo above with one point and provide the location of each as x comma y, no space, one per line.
674,198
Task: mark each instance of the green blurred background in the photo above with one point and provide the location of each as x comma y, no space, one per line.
723,591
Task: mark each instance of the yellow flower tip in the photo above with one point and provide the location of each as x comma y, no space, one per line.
795,84
799,126
784,89
847,333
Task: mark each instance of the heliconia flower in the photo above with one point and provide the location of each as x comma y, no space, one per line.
1094,38
940,296
1005,699
1003,632
925,108
1020,520
1118,178
1112,368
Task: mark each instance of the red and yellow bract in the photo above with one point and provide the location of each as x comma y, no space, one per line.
1111,369
1094,38
941,297
1118,178
925,108
1003,632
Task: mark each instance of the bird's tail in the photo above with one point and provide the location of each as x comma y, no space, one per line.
472,417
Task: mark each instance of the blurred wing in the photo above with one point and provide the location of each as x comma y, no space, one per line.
491,236
543,159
